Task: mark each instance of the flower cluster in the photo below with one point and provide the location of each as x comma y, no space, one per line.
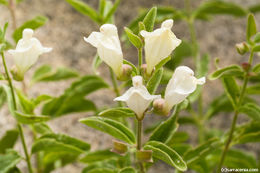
159,44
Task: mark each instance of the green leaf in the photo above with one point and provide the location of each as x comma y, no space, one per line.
96,63
254,8
8,140
35,23
134,39
98,156
117,113
251,27
9,161
166,154
149,19
219,7
85,9
257,38
162,63
4,2
51,145
127,170
256,48
26,104
232,90
202,66
233,70
46,74
154,81
42,128
111,127
201,151
102,170
256,68
30,119
252,110
165,130
254,89
132,65
249,138
101,7
41,98
73,98
65,139
2,97
219,104
112,11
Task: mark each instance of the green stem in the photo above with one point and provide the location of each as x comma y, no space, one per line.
115,86
139,142
20,129
140,59
233,126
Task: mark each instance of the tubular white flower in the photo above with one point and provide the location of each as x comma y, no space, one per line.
180,86
159,44
137,97
108,46
27,51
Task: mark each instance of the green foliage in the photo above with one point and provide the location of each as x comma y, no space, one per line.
30,119
116,113
219,7
9,161
72,100
111,127
165,131
134,39
166,154
232,90
98,156
251,27
35,23
85,9
3,2
111,11
8,140
149,19
232,70
154,81
46,74
252,110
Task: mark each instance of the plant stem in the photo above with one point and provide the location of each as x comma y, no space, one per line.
233,126
20,129
11,7
139,142
115,86
140,59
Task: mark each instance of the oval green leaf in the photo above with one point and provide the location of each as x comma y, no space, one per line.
233,70
117,113
30,119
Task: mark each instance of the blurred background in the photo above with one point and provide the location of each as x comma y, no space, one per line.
64,32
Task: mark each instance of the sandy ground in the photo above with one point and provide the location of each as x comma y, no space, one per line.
64,33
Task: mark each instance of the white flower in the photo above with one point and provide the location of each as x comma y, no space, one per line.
137,97
27,51
159,44
108,46
180,86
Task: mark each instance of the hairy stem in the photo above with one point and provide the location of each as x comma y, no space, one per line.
139,143
19,126
234,121
140,59
115,85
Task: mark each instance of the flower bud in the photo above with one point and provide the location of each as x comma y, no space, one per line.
246,66
242,48
119,148
16,75
144,72
159,107
144,155
126,72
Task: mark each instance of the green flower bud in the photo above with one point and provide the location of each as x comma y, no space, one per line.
242,48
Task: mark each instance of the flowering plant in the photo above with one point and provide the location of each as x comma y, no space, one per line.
156,88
